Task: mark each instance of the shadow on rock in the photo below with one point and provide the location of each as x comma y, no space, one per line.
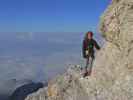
4,97
22,92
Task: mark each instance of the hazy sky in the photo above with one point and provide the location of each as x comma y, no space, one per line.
50,15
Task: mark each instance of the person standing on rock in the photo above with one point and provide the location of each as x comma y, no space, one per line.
88,52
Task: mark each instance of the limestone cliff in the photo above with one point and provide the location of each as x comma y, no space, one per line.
112,76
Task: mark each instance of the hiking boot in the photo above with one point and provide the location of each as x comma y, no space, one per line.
89,73
85,74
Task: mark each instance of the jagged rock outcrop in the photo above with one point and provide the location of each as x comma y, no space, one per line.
21,92
68,86
112,76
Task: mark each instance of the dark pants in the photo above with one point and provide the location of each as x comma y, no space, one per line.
89,62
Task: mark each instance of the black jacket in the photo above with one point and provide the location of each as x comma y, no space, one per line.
89,45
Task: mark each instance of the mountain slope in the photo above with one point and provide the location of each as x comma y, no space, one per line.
112,77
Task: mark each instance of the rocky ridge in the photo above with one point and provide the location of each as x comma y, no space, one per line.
112,76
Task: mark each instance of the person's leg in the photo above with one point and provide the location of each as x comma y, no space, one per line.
86,67
87,63
91,64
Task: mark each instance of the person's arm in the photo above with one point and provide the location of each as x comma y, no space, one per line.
96,45
83,49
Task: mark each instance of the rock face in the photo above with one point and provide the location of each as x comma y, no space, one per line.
22,92
112,76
